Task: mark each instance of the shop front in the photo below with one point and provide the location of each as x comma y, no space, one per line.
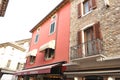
49,72
93,69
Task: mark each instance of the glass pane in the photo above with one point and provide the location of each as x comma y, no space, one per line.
52,27
36,38
86,7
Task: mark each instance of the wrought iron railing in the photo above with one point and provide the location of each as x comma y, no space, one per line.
86,49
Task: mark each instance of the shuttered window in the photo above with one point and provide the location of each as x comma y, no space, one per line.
88,5
97,32
91,36
79,41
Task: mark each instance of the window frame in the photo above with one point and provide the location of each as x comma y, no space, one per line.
8,63
81,35
47,54
36,39
32,59
54,22
92,6
88,6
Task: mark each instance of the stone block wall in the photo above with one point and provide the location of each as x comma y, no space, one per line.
109,18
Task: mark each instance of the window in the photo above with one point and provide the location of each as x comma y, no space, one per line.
89,40
86,6
53,17
49,53
36,38
52,27
89,37
8,63
19,66
32,59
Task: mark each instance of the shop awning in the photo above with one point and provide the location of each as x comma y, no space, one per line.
38,70
50,44
32,53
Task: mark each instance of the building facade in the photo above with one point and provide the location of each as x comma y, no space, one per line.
94,40
3,7
13,56
49,47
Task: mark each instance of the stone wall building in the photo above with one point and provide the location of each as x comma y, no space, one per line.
94,40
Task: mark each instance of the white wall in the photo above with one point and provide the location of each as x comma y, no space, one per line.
14,55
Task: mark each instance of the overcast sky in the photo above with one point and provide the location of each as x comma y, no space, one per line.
21,16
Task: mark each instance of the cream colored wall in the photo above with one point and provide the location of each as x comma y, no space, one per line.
14,55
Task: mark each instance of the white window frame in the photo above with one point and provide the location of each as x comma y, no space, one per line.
83,40
82,9
48,58
54,28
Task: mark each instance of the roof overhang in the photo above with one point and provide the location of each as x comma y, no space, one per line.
58,7
13,44
50,44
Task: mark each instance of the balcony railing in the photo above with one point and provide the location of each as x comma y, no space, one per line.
86,49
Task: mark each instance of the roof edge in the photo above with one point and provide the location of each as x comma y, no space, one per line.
59,6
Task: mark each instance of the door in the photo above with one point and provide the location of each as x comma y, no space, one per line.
89,46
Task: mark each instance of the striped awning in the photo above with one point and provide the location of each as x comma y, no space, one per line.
50,44
32,53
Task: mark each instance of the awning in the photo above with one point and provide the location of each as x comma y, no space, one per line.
32,53
38,70
50,44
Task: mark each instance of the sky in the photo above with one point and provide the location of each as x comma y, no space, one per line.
21,16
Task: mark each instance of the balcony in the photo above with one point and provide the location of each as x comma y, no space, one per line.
87,49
